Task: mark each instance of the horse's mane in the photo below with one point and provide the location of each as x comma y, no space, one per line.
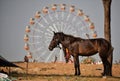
69,37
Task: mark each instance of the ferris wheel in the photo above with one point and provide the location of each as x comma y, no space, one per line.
59,18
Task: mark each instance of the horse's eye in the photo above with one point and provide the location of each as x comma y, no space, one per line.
56,39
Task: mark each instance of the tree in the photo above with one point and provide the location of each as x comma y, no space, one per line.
107,30
107,19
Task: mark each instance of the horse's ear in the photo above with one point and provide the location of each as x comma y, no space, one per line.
54,32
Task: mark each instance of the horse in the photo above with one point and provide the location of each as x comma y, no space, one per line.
78,46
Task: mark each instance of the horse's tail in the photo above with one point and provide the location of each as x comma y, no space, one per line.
110,54
110,58
110,50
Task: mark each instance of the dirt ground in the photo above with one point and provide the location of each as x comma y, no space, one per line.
62,72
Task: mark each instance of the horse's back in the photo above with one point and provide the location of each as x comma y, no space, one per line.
88,47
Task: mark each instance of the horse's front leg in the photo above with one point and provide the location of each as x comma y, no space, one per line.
76,65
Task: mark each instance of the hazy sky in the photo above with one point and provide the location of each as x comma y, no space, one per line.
15,15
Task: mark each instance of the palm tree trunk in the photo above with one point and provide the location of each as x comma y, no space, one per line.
107,19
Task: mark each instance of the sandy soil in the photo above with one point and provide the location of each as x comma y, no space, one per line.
62,72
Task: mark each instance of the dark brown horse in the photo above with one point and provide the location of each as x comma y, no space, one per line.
84,47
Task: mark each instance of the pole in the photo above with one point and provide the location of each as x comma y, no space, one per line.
26,70
26,60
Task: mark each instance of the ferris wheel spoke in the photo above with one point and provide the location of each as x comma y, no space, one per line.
50,55
45,20
68,17
50,17
72,30
47,42
82,28
74,19
58,26
35,50
61,55
37,30
48,34
55,27
69,28
48,30
56,15
31,36
51,28
34,43
62,15
65,25
61,27
40,57
79,24
41,25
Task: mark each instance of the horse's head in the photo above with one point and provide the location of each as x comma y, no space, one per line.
55,40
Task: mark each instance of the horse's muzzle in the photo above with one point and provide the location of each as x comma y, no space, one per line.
50,48
67,61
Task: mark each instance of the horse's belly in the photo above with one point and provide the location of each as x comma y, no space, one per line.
87,52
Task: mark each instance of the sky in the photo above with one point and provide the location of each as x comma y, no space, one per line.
15,15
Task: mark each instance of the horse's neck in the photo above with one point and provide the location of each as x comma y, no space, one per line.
68,39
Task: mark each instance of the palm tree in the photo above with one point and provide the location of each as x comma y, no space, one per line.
107,26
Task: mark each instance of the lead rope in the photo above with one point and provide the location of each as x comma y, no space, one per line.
67,53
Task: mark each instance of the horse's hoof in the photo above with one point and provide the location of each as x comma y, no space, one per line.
75,74
104,77
103,74
78,74
109,75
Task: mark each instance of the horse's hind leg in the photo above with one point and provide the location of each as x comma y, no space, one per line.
110,59
107,63
107,66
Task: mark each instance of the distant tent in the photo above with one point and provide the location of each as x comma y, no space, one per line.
5,63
